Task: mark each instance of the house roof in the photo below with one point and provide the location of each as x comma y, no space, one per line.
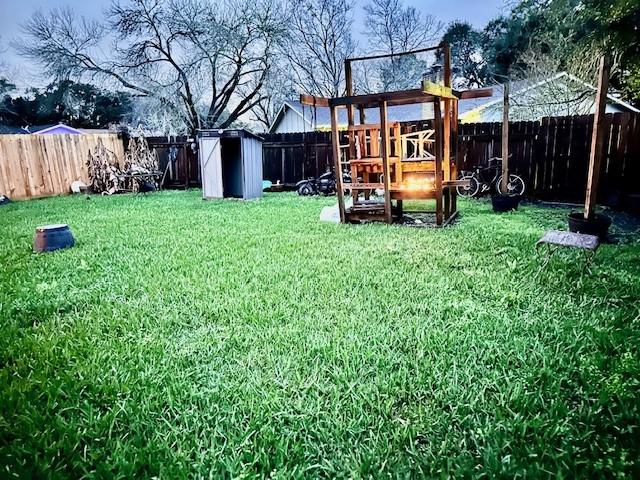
42,129
524,86
322,115
229,133
396,113
406,113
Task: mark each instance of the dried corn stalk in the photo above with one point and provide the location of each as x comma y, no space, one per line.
140,159
104,169
139,156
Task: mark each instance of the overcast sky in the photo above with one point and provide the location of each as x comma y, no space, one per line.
15,12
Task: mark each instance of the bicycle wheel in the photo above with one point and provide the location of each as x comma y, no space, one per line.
305,190
514,187
472,189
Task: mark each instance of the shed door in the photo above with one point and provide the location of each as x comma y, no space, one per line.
252,160
211,167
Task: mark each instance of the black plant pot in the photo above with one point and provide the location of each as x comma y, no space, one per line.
52,237
505,203
596,225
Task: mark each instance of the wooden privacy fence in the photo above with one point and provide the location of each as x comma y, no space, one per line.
44,165
290,157
178,157
551,155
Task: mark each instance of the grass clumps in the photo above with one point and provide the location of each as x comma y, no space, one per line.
183,338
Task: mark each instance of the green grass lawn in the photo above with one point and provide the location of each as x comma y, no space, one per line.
183,338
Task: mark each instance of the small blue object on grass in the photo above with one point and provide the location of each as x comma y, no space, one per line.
4,200
52,237
266,184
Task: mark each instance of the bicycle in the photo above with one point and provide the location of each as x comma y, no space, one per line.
483,179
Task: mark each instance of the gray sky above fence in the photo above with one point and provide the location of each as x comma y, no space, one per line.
15,12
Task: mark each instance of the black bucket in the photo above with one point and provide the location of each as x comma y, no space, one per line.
52,237
596,225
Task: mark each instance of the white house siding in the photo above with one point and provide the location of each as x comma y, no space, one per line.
292,122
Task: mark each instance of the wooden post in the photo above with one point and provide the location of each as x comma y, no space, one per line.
595,155
187,172
282,164
446,159
335,143
505,139
385,144
349,89
348,79
437,122
456,166
362,115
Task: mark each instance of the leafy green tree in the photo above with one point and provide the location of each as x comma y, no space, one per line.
571,35
505,39
76,104
614,25
468,63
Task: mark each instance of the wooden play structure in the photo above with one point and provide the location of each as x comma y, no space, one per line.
411,166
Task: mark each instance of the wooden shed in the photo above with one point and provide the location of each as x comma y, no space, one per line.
230,163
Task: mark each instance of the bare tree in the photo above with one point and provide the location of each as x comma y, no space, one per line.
548,89
318,41
277,88
195,57
151,117
393,28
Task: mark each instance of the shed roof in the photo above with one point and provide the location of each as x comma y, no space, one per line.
229,133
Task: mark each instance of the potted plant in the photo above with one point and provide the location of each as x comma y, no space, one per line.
504,202
596,224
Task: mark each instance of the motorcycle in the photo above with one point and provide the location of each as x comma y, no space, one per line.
325,184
